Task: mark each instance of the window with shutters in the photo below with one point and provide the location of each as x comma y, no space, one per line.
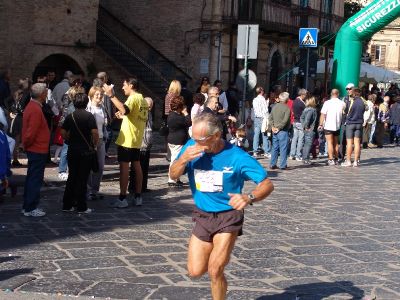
378,54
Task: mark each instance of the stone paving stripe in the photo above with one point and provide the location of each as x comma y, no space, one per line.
90,263
120,290
54,286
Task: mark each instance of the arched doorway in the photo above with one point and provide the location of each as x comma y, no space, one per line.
59,63
276,69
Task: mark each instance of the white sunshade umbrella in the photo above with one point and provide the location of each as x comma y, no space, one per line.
368,73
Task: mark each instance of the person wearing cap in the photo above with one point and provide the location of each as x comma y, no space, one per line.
354,127
342,138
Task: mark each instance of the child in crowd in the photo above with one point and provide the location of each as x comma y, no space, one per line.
240,139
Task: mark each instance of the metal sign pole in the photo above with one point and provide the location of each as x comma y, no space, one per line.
307,66
246,76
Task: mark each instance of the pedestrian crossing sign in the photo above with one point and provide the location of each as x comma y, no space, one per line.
308,37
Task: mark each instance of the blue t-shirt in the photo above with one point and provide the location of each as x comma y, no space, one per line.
213,176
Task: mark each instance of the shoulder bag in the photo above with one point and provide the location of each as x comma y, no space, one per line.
91,153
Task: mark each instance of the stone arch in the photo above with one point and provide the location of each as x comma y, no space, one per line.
274,66
58,62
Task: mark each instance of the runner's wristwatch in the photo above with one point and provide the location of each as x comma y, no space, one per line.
252,198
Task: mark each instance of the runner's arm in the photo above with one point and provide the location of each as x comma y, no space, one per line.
262,191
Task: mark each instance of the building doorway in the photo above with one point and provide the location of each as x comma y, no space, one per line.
59,63
276,69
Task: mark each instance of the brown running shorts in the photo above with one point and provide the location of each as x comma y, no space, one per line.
209,224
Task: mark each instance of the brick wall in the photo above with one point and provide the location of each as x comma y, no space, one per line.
32,30
172,27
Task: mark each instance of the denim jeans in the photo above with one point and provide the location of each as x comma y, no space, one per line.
372,134
62,167
279,147
95,178
298,140
110,135
256,139
394,138
34,180
308,142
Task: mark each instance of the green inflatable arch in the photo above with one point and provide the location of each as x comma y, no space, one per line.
348,44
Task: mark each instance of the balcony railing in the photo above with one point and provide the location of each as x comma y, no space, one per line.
277,15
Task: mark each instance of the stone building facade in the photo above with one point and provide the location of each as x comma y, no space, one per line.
160,40
384,47
200,36
37,35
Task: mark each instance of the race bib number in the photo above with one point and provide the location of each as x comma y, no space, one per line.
208,181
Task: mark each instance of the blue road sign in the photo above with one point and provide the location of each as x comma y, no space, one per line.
308,37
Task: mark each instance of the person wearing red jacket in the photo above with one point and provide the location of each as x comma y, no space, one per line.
35,140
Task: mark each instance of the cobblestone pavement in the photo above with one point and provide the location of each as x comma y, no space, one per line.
325,233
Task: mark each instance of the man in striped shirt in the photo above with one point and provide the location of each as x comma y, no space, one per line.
260,110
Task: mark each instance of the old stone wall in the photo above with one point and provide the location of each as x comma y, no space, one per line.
32,30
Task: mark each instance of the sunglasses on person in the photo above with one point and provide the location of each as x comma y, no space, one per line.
203,139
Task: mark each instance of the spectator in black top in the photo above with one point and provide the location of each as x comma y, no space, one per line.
5,91
80,131
187,96
233,97
179,122
204,81
354,127
298,133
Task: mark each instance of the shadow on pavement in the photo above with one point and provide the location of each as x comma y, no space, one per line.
317,291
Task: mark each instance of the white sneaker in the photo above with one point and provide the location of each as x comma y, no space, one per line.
138,201
63,176
299,159
87,211
72,209
35,213
267,155
346,164
23,210
356,163
119,204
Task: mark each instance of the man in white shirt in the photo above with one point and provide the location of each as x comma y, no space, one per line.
260,111
330,121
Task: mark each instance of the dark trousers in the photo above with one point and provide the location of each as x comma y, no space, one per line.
34,180
308,143
342,142
380,133
76,187
144,163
